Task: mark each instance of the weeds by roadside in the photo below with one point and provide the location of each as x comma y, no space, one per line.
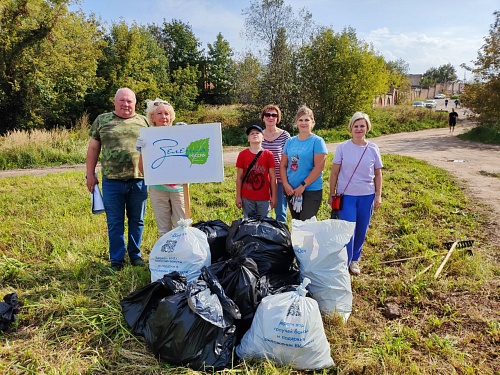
53,253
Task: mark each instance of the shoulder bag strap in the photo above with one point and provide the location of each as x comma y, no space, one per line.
357,165
251,165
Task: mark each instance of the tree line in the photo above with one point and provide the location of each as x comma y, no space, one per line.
57,64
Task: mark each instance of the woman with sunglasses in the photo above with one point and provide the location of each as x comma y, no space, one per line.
167,200
274,141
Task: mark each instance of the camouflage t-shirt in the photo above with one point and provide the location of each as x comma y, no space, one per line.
117,135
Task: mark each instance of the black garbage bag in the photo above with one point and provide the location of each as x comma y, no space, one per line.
138,306
9,310
241,282
267,241
195,328
216,231
275,283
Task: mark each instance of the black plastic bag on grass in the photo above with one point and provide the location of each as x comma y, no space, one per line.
138,306
195,328
275,283
239,277
241,282
9,310
267,241
216,231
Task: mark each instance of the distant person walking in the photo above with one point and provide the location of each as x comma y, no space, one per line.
452,120
456,103
446,103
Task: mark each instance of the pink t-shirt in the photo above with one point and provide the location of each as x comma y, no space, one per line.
347,155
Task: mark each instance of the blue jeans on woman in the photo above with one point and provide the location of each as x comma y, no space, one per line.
120,196
357,209
281,203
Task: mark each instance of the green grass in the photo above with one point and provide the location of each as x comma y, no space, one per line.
53,253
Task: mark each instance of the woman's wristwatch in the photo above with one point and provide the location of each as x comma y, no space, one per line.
303,183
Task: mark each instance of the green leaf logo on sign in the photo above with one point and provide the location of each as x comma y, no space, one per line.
197,151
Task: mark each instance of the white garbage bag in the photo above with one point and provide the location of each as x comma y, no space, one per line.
184,249
319,247
288,329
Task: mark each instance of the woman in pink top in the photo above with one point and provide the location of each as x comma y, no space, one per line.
357,173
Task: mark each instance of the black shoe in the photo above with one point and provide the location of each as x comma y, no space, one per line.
115,267
137,262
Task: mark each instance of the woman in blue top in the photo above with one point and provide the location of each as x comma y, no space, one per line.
302,165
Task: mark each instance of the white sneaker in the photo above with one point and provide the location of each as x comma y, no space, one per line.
354,267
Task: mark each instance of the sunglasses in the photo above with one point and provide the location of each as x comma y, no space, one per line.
157,104
267,114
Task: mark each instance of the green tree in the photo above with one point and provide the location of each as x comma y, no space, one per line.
340,75
444,73
179,43
248,71
282,31
482,95
265,18
47,63
131,58
184,88
279,81
220,75
398,78
182,50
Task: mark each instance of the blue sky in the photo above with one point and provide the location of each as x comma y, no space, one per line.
423,33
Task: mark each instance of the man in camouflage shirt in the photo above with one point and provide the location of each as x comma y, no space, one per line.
114,134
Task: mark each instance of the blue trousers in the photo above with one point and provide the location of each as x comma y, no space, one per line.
357,209
281,203
122,197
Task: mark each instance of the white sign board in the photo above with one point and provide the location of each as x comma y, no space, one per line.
182,154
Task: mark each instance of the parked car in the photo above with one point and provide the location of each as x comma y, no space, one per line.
440,96
430,103
418,104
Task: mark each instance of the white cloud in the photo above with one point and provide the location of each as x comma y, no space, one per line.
423,51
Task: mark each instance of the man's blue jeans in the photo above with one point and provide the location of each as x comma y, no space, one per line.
121,196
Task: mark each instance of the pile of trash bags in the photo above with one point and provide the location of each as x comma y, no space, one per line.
252,289
9,309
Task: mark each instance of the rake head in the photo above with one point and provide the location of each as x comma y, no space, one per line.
460,245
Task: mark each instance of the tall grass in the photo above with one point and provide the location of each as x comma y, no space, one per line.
53,253
35,148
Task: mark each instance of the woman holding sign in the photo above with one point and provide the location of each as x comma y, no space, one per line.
167,200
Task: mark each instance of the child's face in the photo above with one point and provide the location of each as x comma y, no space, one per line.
255,136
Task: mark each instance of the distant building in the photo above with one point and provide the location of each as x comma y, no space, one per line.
415,80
